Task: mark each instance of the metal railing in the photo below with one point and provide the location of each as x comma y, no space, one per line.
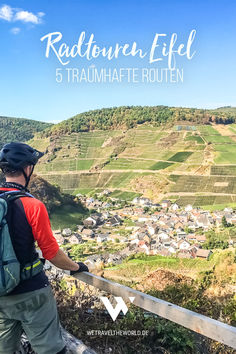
201,324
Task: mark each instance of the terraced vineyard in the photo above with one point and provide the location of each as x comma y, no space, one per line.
193,164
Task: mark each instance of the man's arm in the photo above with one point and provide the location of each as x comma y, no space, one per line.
61,260
38,219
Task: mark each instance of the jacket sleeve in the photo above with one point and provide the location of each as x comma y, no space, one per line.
38,219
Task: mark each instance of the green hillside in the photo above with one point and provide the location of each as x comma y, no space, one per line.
130,116
178,160
19,129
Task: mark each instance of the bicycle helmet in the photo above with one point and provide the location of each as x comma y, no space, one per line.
19,155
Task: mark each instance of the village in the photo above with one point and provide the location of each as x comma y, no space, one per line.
144,227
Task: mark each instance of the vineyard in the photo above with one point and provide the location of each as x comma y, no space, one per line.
196,163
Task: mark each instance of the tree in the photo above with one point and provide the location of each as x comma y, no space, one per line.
225,223
215,240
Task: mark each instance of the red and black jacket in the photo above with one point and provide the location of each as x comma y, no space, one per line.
28,223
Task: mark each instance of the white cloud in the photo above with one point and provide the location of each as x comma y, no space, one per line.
11,14
26,16
41,14
6,13
15,30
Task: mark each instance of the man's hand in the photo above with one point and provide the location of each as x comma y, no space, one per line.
61,260
82,268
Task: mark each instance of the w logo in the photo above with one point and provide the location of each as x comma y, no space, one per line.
121,306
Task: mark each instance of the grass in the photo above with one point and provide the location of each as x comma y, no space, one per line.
180,156
66,216
207,130
140,267
122,164
195,157
218,139
225,158
82,251
123,195
86,191
196,138
84,164
225,147
219,206
161,165
142,137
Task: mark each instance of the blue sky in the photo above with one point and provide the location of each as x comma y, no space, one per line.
28,86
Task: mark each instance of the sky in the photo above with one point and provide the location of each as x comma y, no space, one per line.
28,79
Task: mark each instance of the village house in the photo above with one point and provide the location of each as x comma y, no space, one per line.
105,215
88,233
179,225
188,207
165,204
183,245
142,201
181,235
101,238
113,221
66,232
202,221
174,207
80,228
90,200
200,238
74,240
184,254
106,205
191,237
105,192
204,254
152,229
147,239
144,247
172,249
94,219
60,239
162,236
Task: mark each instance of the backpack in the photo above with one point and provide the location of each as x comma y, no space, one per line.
11,271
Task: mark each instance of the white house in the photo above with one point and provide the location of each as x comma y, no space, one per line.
174,207
143,219
165,203
188,207
153,229
66,232
163,236
74,240
183,245
101,238
141,201
134,241
145,248
172,249
181,235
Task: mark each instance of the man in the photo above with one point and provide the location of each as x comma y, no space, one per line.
31,305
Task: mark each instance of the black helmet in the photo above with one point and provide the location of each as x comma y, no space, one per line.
18,155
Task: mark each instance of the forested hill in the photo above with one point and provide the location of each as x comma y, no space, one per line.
19,129
129,116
